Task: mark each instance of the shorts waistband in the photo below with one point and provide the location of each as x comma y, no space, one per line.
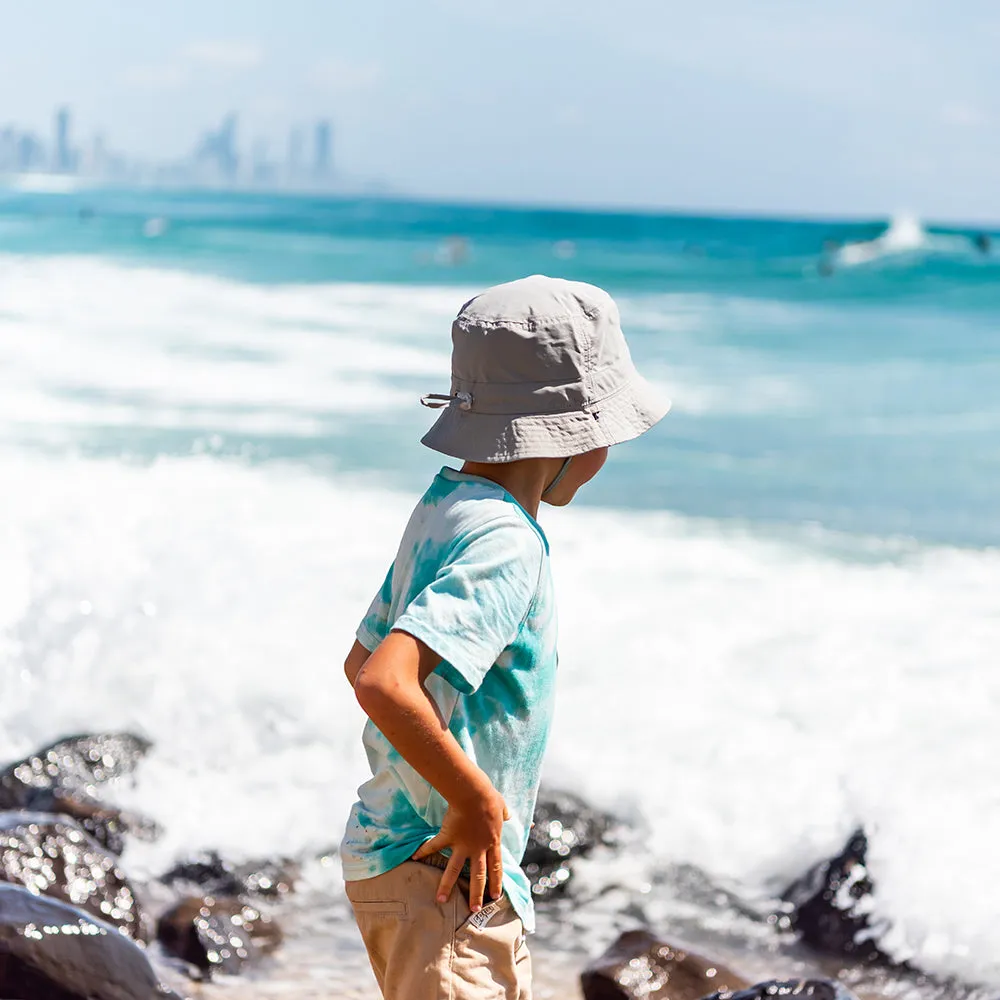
439,860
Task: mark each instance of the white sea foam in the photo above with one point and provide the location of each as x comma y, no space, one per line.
44,183
88,343
905,234
753,698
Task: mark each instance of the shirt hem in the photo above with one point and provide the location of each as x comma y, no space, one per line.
367,638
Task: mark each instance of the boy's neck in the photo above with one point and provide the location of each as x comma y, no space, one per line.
525,480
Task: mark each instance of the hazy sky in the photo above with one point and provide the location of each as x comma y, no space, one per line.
866,106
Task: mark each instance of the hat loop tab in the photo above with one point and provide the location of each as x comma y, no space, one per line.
436,401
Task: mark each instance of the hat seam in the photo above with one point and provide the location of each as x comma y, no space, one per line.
588,368
550,382
572,317
614,392
580,410
482,381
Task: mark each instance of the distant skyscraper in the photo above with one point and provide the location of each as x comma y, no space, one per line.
323,162
228,157
29,154
96,160
263,168
296,148
63,160
218,149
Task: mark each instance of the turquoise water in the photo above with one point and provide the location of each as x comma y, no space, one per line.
778,609
864,400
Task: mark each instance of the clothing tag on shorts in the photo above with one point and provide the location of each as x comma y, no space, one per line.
486,914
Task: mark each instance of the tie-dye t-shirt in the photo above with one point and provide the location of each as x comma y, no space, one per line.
471,580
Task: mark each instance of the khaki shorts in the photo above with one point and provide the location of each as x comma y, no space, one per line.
423,950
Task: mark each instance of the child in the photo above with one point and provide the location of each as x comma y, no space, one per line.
455,661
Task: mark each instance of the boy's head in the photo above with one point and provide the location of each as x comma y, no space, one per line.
540,370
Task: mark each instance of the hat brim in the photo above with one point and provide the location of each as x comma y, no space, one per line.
494,438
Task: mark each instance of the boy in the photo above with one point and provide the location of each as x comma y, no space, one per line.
455,662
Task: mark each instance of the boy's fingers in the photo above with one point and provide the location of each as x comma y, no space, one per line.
495,863
477,883
431,846
450,877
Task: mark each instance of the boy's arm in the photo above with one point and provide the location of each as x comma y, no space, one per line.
355,661
390,688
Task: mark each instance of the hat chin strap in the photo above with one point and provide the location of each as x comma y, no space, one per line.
555,482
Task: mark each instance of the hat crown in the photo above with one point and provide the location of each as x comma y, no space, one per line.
536,330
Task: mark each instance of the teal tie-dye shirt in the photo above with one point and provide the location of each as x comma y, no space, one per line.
471,580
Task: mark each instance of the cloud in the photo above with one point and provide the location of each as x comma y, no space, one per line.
231,54
339,76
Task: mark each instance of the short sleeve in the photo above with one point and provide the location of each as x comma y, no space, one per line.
374,626
473,609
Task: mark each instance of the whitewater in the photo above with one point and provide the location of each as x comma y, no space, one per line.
206,471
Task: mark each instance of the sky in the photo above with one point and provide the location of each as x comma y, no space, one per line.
866,107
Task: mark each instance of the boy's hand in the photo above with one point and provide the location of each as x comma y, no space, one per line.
472,830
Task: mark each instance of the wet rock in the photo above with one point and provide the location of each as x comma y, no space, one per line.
52,951
107,825
564,827
217,935
831,906
52,856
63,779
639,965
819,989
215,876
75,764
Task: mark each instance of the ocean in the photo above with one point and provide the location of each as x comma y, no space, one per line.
779,609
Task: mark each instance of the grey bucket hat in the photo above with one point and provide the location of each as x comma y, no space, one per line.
540,369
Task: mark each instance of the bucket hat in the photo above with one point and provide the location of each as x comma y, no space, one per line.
540,369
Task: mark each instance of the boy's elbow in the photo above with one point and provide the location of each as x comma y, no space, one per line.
373,692
356,659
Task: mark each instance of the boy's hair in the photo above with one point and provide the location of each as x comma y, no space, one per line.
540,369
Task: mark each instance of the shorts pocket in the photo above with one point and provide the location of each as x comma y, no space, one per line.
380,907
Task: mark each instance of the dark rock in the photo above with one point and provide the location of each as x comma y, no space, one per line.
63,778
820,989
51,951
107,825
52,856
564,827
217,934
217,877
640,965
831,903
75,764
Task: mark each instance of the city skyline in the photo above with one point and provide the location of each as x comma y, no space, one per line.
217,156
773,107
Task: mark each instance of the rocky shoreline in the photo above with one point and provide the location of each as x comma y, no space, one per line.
73,925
